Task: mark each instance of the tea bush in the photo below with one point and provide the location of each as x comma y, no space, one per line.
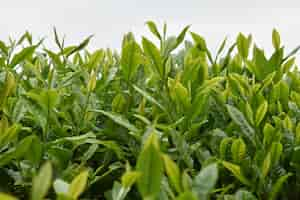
150,122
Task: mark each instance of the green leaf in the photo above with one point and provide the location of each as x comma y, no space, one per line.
224,146
118,192
57,39
179,93
36,151
276,151
118,104
275,39
95,59
6,197
186,196
54,57
150,165
152,27
92,81
129,178
82,45
238,150
130,59
149,98
244,195
153,54
42,182
293,52
22,55
243,45
173,172
78,185
266,165
238,117
205,181
46,99
200,41
119,119
236,171
9,87
278,185
17,152
3,48
181,36
261,112
221,48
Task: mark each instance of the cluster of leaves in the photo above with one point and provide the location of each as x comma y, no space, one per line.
149,123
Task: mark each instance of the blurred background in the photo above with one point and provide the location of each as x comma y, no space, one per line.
109,20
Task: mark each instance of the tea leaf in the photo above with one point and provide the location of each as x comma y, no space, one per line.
119,119
152,27
78,185
42,182
277,186
205,181
173,172
238,117
261,112
153,54
275,39
150,165
22,55
6,197
236,171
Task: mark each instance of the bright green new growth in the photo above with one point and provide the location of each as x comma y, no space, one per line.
149,122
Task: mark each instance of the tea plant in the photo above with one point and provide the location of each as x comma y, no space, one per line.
150,122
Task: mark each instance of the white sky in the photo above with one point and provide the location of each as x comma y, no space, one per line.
108,20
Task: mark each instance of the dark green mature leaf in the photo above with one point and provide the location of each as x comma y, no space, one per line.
244,195
205,181
238,117
17,152
36,151
149,97
278,185
119,119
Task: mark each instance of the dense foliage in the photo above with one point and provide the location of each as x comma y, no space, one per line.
149,123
